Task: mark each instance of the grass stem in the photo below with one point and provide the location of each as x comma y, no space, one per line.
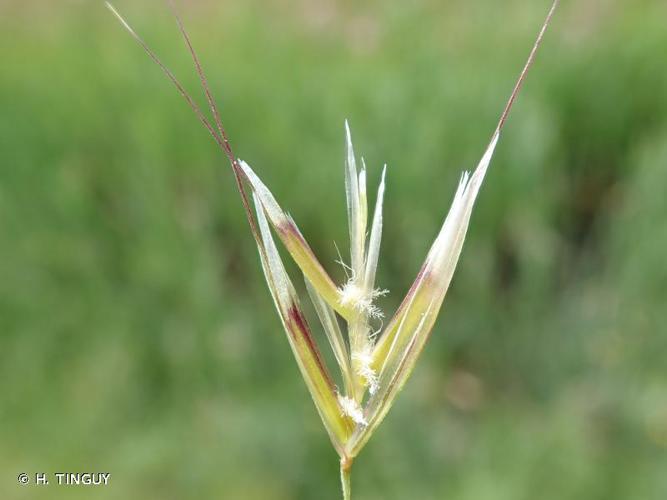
345,473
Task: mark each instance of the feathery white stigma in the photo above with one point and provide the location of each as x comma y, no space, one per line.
350,408
360,299
363,368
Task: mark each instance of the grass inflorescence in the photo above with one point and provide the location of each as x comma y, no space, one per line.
374,358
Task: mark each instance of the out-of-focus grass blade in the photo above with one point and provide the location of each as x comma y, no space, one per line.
307,355
397,350
296,244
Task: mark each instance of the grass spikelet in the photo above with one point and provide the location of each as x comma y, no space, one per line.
374,365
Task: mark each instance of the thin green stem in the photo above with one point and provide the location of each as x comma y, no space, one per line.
345,472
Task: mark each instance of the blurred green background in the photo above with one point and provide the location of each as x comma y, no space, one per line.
136,332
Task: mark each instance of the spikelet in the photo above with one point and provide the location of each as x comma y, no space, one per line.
374,365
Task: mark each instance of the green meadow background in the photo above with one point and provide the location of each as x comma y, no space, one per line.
137,336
